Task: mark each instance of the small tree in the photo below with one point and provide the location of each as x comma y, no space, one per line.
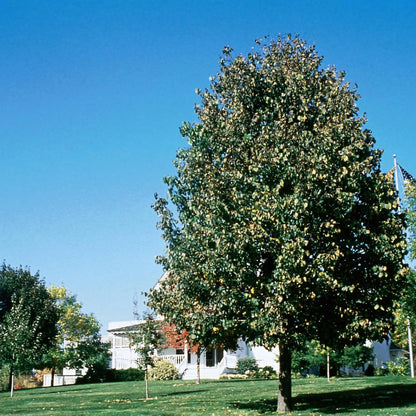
20,339
28,320
147,339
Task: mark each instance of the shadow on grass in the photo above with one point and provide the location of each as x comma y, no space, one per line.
389,396
47,390
182,393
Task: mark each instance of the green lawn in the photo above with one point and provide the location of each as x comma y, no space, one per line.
315,396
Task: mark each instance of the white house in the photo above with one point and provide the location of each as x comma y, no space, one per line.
214,362
385,352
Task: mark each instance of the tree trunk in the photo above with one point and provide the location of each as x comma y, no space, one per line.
146,380
11,381
284,398
52,377
328,368
198,366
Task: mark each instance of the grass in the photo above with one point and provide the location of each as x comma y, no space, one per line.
372,396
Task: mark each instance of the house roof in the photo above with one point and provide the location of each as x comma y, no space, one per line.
119,326
164,276
394,347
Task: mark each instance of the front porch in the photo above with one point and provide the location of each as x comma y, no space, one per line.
213,363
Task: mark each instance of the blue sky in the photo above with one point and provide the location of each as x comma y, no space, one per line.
92,94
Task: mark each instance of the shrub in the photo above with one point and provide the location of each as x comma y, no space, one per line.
267,372
399,368
247,366
21,381
163,370
233,377
4,378
129,374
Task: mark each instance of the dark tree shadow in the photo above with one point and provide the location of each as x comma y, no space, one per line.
346,401
182,393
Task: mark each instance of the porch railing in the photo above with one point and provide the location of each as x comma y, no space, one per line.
176,359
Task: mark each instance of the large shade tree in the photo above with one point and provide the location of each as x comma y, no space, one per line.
283,226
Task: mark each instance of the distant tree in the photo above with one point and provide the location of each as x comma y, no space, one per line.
28,320
78,342
91,353
286,228
309,357
356,356
314,356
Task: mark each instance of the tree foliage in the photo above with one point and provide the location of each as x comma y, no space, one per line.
148,338
73,324
286,229
78,341
313,357
28,319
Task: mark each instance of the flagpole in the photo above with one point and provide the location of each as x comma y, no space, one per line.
396,177
409,335
409,331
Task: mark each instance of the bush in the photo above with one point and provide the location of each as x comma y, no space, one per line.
21,380
267,372
4,378
247,366
399,368
163,370
131,374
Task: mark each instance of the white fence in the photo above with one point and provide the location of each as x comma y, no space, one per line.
58,380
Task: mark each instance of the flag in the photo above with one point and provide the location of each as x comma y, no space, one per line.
407,176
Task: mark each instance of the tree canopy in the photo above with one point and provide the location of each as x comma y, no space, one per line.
78,341
28,319
284,228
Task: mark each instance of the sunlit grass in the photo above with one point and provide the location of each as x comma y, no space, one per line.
347,396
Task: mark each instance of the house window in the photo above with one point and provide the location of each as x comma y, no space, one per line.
78,372
219,354
213,356
210,357
122,341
